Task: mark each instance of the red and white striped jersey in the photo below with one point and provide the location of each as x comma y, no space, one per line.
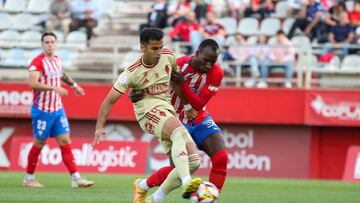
200,83
50,74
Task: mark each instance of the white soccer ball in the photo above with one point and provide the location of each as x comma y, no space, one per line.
207,193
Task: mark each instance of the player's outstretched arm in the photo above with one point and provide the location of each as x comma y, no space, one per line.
103,115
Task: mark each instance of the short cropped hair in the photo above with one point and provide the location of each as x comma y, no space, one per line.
280,32
150,34
209,43
47,34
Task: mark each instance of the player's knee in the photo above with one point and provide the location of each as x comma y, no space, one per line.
194,162
181,133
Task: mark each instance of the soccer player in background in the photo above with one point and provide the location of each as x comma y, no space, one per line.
151,74
47,111
198,78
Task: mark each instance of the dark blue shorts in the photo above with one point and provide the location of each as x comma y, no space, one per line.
49,124
203,130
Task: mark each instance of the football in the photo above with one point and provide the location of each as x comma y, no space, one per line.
207,193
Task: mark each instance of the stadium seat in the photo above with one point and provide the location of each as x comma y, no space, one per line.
269,26
59,36
351,63
252,40
2,54
22,22
30,55
30,39
280,9
128,59
14,58
272,40
15,5
9,38
287,24
301,44
230,40
229,24
65,56
38,6
76,40
5,22
106,6
248,26
304,62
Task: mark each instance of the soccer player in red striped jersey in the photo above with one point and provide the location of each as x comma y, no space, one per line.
197,81
47,112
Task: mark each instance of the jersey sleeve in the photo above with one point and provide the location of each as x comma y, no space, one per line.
36,65
213,82
209,90
122,83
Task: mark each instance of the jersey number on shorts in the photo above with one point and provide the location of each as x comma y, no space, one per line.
41,125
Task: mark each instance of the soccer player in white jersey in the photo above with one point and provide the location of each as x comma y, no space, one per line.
47,111
151,74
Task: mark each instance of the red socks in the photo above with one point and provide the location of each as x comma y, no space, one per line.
68,158
219,168
157,178
32,159
217,175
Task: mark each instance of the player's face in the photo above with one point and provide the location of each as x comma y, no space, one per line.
49,45
152,51
205,59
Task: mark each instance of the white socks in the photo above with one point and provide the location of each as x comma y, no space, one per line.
29,176
75,176
143,185
185,180
159,195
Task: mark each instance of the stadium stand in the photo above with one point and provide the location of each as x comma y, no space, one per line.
106,54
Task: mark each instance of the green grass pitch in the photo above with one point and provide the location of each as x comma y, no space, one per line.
118,188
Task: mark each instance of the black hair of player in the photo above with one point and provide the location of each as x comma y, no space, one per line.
151,34
209,43
48,34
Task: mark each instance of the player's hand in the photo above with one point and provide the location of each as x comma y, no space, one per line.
61,91
98,136
192,113
79,91
177,77
136,95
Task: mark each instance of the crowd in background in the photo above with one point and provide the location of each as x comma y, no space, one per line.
328,22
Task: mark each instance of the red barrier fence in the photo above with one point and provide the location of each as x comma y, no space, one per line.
269,132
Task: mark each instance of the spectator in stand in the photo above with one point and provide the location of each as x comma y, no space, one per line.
212,29
201,9
262,8
181,31
178,11
340,35
157,17
237,8
60,16
308,19
282,54
354,15
241,52
334,13
85,13
294,6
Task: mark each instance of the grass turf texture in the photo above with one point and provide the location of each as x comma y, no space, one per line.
118,188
